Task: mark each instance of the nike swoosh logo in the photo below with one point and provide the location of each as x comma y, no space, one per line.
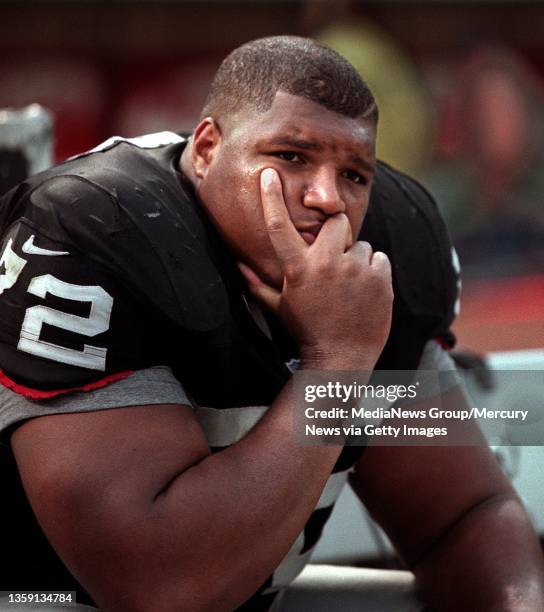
31,249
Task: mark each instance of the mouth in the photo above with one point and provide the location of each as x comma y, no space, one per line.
309,232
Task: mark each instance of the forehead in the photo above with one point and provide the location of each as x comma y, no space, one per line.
296,118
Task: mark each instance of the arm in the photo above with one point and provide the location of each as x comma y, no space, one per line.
137,506
133,501
457,522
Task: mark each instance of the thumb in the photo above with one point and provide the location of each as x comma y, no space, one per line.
265,294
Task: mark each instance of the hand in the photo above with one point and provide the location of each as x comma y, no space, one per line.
336,297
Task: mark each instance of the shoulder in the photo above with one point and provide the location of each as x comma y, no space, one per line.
124,206
98,188
404,221
131,245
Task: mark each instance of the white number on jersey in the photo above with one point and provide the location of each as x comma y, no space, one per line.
13,265
98,321
92,357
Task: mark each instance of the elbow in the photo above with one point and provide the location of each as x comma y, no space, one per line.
141,578
137,586
187,593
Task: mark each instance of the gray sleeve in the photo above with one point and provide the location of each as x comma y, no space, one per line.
155,385
434,357
436,371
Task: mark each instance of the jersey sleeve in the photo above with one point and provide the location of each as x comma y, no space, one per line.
156,385
65,323
403,220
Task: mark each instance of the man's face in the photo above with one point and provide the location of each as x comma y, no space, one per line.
325,162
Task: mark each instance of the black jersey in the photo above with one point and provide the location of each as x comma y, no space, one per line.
108,265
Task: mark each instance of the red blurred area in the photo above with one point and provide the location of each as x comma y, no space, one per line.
92,101
125,68
502,315
73,89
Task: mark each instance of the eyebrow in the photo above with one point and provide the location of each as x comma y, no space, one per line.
359,161
300,143
308,145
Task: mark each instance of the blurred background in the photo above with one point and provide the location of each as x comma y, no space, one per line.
460,87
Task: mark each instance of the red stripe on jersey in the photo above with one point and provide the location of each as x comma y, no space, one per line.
37,394
443,343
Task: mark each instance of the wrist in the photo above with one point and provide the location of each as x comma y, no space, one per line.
317,358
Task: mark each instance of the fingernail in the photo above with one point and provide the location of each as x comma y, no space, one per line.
267,177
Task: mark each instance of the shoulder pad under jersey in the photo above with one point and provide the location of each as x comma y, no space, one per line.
123,206
404,222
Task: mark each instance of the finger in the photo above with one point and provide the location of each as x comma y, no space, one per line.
335,235
363,250
269,296
287,242
381,262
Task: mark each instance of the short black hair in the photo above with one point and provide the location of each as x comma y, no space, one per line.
252,75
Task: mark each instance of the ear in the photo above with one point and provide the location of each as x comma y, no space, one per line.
206,139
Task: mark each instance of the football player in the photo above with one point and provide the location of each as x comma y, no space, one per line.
155,295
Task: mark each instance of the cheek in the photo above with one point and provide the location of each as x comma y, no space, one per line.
249,188
237,189
293,189
247,218
356,214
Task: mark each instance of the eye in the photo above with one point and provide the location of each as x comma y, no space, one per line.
289,156
355,177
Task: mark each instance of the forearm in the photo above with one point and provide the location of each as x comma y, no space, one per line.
489,561
253,498
236,512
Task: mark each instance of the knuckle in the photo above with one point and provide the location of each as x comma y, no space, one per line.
377,279
354,265
292,269
323,266
363,250
275,223
365,246
360,253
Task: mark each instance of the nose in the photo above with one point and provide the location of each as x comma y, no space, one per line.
323,194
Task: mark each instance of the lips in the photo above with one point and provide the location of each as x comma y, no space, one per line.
309,232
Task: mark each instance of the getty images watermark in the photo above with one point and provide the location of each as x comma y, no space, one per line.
406,408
